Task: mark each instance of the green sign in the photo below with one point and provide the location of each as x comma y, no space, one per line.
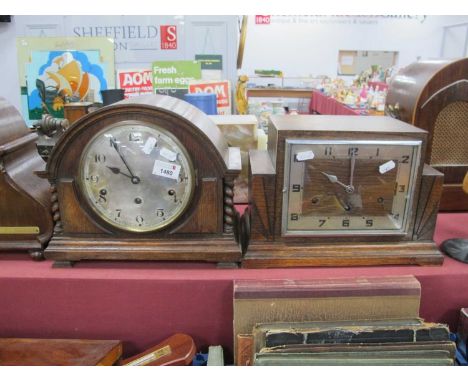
210,61
175,74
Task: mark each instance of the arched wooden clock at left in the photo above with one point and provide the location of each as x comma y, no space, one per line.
25,216
149,178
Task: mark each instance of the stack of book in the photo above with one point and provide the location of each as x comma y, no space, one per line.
353,321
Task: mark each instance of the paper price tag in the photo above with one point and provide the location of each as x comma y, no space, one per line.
166,170
149,145
305,155
168,154
386,167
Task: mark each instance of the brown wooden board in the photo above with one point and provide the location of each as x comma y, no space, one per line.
58,352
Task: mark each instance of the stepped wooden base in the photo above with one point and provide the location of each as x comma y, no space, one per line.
71,249
33,247
274,255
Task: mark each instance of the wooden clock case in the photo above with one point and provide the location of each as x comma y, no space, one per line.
207,229
25,217
433,95
261,224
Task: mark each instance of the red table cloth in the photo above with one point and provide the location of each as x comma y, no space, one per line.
322,104
142,303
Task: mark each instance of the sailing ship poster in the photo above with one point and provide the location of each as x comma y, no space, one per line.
59,77
54,71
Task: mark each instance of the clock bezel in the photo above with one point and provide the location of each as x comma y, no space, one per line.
98,216
403,231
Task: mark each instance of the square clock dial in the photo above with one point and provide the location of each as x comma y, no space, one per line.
348,187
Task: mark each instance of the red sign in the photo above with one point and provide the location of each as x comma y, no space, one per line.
135,82
168,36
222,91
262,19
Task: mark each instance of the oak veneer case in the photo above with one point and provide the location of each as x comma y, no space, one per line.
433,95
205,230
265,225
25,201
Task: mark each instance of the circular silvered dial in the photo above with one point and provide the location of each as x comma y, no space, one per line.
137,177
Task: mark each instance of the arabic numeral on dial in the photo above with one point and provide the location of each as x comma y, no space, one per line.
405,159
369,223
99,158
118,212
353,151
139,219
93,178
160,213
377,152
294,217
296,188
345,223
322,222
399,188
396,216
328,151
134,137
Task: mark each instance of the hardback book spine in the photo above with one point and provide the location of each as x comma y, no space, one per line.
447,346
303,360
244,350
436,332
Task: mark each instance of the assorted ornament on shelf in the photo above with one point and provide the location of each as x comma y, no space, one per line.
368,90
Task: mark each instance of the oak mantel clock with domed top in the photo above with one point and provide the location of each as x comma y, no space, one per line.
338,190
149,178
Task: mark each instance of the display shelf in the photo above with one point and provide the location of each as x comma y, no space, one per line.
141,303
279,92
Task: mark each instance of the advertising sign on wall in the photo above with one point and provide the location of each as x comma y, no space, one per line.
222,89
135,82
55,70
173,77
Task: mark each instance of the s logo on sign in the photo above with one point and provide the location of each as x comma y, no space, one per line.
168,36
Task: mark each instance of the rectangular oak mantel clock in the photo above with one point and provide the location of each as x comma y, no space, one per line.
339,190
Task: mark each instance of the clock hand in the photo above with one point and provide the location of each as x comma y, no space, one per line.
345,206
351,173
334,179
116,170
135,179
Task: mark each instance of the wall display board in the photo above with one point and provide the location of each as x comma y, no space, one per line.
352,62
55,71
211,66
